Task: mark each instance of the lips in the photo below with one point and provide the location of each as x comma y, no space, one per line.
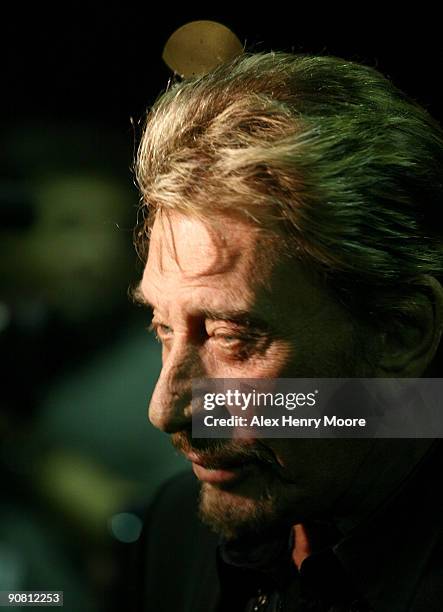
220,476
215,463
219,471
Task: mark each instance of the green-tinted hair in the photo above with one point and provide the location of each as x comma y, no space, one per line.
327,152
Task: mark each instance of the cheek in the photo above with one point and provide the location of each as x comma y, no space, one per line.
326,464
165,353
277,360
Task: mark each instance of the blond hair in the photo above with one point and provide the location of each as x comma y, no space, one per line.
326,152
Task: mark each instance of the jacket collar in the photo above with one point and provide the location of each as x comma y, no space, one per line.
387,555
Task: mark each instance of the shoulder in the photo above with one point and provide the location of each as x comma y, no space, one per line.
177,556
429,592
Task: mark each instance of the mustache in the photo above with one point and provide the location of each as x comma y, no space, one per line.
216,453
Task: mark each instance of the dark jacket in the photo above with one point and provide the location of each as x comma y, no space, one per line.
394,562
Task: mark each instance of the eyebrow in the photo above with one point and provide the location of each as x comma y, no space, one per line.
138,297
237,316
240,317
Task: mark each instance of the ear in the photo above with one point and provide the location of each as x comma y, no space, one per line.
410,339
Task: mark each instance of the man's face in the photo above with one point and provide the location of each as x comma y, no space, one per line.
226,307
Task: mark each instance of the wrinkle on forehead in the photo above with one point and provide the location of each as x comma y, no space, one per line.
195,248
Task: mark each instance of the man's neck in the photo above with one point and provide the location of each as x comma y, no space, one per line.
302,545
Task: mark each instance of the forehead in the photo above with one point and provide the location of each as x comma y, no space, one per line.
230,266
195,248
197,267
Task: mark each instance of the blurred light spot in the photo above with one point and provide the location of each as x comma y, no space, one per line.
200,46
126,527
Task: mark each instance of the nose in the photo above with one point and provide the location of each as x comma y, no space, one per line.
170,406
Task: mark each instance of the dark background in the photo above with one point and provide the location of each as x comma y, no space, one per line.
78,455
104,62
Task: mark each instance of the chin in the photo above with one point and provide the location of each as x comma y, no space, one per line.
233,515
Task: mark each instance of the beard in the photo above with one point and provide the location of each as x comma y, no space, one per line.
249,508
236,516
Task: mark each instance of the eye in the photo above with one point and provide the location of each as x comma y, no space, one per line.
228,340
161,331
233,346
